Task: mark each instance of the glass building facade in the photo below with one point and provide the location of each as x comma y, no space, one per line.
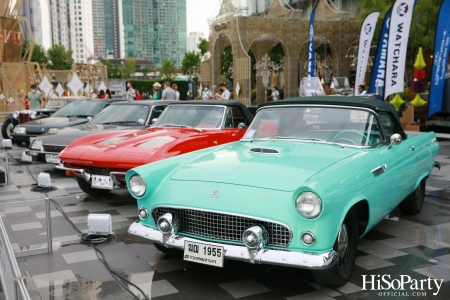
155,29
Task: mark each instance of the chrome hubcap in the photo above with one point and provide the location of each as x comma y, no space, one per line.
342,242
9,130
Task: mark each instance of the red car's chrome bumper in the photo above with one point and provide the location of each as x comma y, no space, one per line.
117,177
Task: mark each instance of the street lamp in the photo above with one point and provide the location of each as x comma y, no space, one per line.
265,68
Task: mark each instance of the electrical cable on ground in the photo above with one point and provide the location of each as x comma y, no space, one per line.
91,241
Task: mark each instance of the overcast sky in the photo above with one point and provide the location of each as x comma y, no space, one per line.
198,13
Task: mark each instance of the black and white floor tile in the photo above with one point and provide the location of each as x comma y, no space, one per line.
415,246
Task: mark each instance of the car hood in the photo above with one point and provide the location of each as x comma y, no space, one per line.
132,148
65,136
54,122
290,165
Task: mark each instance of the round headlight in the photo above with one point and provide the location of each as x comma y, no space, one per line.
137,185
308,205
20,130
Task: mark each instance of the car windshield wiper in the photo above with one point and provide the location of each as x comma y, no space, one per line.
79,116
120,122
296,138
180,126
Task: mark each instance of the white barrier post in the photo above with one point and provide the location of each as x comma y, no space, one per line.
49,225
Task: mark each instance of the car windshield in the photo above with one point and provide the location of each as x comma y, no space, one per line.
198,116
57,103
311,86
80,109
127,114
349,126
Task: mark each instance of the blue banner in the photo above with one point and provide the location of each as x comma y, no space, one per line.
379,67
440,59
311,44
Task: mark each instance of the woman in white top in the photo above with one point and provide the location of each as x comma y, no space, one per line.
177,93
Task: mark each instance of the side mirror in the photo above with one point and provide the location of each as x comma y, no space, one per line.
396,139
154,120
242,126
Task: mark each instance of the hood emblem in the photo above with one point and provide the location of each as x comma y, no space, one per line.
214,194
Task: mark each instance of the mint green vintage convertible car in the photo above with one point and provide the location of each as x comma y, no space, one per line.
310,176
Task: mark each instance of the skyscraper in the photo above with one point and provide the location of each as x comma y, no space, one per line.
194,40
81,30
155,29
108,28
37,13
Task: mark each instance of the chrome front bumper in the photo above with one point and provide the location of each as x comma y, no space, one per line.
87,176
304,260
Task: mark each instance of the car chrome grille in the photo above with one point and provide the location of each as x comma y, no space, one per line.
99,171
51,148
223,227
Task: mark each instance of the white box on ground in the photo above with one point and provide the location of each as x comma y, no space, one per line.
6,144
44,180
26,158
100,224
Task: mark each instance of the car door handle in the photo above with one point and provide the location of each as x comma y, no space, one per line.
412,148
379,170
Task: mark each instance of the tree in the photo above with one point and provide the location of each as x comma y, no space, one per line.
190,59
113,71
226,59
38,55
129,67
166,69
60,58
203,46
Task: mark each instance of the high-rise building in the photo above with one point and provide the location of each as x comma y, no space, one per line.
155,29
37,13
194,40
108,28
81,30
59,12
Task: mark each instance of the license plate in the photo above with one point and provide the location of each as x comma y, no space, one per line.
204,254
102,182
52,158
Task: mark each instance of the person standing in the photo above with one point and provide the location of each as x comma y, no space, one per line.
361,90
275,94
207,94
225,92
156,91
138,95
108,94
35,98
131,93
168,93
144,94
102,94
177,93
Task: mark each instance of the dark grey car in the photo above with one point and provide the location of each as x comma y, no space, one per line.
117,116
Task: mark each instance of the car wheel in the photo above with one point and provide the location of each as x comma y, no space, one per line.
7,129
345,246
86,187
413,203
169,251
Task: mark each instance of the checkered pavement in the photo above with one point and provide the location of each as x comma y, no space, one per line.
417,246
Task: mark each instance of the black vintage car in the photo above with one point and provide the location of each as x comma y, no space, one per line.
76,112
121,115
17,117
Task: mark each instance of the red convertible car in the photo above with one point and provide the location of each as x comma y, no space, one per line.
101,160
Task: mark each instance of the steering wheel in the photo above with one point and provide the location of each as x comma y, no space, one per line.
336,137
